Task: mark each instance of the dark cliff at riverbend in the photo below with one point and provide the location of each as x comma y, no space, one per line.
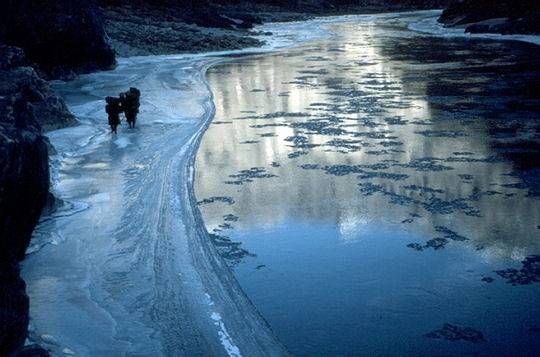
55,39
62,37
24,181
494,16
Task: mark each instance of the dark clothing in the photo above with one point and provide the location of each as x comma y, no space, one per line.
130,105
113,109
114,115
131,117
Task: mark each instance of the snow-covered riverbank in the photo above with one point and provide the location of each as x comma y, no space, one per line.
126,265
128,272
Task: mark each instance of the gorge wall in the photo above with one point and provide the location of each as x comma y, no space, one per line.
61,37
50,39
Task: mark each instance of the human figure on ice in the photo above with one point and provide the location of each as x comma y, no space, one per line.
113,109
130,105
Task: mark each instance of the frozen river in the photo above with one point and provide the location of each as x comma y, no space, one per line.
126,267
375,190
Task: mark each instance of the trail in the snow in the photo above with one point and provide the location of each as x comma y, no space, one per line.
125,266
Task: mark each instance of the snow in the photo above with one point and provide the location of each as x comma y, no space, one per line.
226,340
126,265
122,142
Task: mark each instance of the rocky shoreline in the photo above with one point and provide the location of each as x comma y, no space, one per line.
27,105
140,29
38,41
504,17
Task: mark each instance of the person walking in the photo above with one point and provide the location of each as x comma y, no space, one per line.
113,109
130,105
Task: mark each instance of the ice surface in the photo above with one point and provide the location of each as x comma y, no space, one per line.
126,266
361,186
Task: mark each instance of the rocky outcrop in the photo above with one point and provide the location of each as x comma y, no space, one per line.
26,103
17,77
494,16
13,309
24,177
147,30
147,27
62,37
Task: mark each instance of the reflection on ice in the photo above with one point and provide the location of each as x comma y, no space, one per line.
376,189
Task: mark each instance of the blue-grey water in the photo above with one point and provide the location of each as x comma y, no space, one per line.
378,192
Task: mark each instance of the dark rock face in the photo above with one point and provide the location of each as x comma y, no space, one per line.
32,351
16,77
62,37
494,16
26,102
24,172
24,183
525,25
13,309
47,108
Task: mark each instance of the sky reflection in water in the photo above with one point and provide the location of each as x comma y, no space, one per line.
381,183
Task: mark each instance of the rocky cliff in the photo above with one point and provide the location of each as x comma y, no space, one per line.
62,37
19,79
24,181
494,16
